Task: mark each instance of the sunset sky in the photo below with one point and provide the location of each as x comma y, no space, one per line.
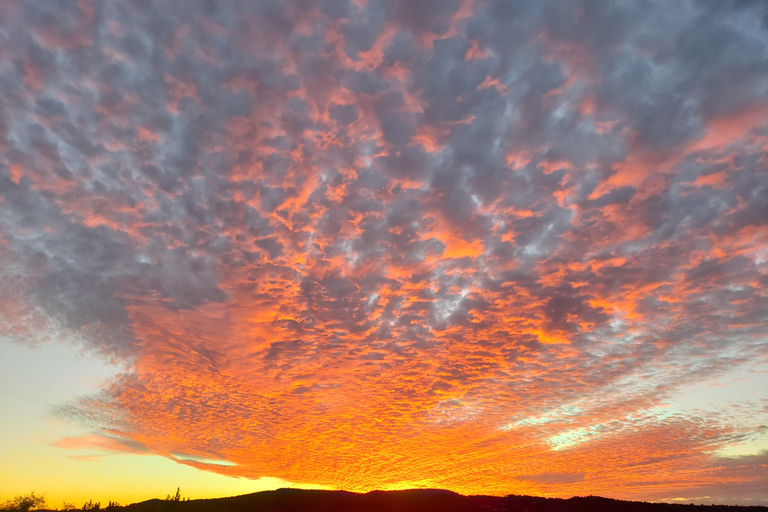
490,246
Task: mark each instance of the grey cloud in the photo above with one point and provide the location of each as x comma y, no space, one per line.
344,114
335,8
361,31
365,83
401,49
425,15
554,478
409,162
447,79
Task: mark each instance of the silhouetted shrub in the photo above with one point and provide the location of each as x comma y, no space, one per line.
25,503
90,505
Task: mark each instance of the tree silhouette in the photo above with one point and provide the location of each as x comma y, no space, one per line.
25,503
90,505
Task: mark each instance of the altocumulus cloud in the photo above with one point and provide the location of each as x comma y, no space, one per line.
477,245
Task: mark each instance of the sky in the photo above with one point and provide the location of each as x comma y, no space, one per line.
491,246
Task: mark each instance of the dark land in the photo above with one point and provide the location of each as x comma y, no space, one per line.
417,500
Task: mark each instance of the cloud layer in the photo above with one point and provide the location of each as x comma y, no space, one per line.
370,244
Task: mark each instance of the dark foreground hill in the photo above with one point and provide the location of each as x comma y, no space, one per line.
417,500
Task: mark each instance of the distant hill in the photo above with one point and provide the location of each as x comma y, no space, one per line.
417,500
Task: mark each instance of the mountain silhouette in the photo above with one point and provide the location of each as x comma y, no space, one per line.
415,500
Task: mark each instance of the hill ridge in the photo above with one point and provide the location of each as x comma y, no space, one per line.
413,500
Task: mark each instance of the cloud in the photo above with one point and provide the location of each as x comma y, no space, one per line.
551,478
348,244
101,444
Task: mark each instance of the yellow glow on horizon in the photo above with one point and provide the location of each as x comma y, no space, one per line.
124,478
89,473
